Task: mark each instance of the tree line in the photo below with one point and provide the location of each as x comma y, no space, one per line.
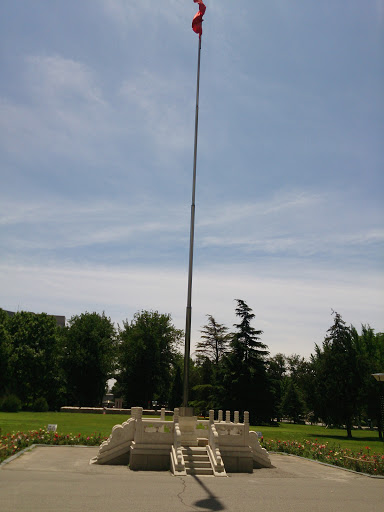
43,366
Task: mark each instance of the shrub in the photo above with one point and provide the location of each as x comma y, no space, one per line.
40,405
11,403
12,443
363,461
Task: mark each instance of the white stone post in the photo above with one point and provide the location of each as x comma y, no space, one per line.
227,416
176,415
162,414
220,415
246,428
211,416
236,418
137,413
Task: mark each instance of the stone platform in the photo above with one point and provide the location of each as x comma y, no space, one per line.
159,445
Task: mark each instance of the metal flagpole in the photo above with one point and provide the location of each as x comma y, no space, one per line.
192,232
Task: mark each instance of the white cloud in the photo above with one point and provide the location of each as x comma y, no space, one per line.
64,115
57,224
59,80
68,115
164,103
287,224
293,310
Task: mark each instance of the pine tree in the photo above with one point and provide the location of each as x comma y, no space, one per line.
246,341
215,340
244,375
337,376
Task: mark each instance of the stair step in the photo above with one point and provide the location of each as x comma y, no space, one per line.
198,464
196,460
194,449
196,457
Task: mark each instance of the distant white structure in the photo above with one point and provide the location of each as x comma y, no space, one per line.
185,445
60,320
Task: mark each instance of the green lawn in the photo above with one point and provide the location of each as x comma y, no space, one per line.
88,424
290,432
67,423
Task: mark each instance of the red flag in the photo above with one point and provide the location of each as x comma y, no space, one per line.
197,22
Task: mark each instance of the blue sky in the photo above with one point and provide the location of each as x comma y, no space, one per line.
97,103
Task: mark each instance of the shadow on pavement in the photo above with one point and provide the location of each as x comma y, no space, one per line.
209,503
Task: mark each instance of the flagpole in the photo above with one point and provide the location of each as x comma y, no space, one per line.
192,233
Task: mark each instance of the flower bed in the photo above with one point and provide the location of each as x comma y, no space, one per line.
363,461
10,444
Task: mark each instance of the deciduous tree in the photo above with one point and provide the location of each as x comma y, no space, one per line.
34,358
5,353
89,357
148,345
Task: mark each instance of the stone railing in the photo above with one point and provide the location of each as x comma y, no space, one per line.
260,455
157,426
202,428
115,450
231,432
214,450
152,431
177,459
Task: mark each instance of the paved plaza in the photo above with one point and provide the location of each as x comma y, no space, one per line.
60,479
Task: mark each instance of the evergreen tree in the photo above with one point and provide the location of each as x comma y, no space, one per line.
206,388
215,340
370,350
245,380
246,342
337,377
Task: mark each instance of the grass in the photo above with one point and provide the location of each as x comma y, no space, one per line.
363,453
335,437
67,423
88,424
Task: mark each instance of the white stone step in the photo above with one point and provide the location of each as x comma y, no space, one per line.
197,461
195,457
194,449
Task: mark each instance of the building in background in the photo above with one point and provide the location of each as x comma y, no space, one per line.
60,320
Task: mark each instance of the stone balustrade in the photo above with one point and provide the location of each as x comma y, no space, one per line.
155,444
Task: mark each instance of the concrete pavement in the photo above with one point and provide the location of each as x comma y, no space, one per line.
61,479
